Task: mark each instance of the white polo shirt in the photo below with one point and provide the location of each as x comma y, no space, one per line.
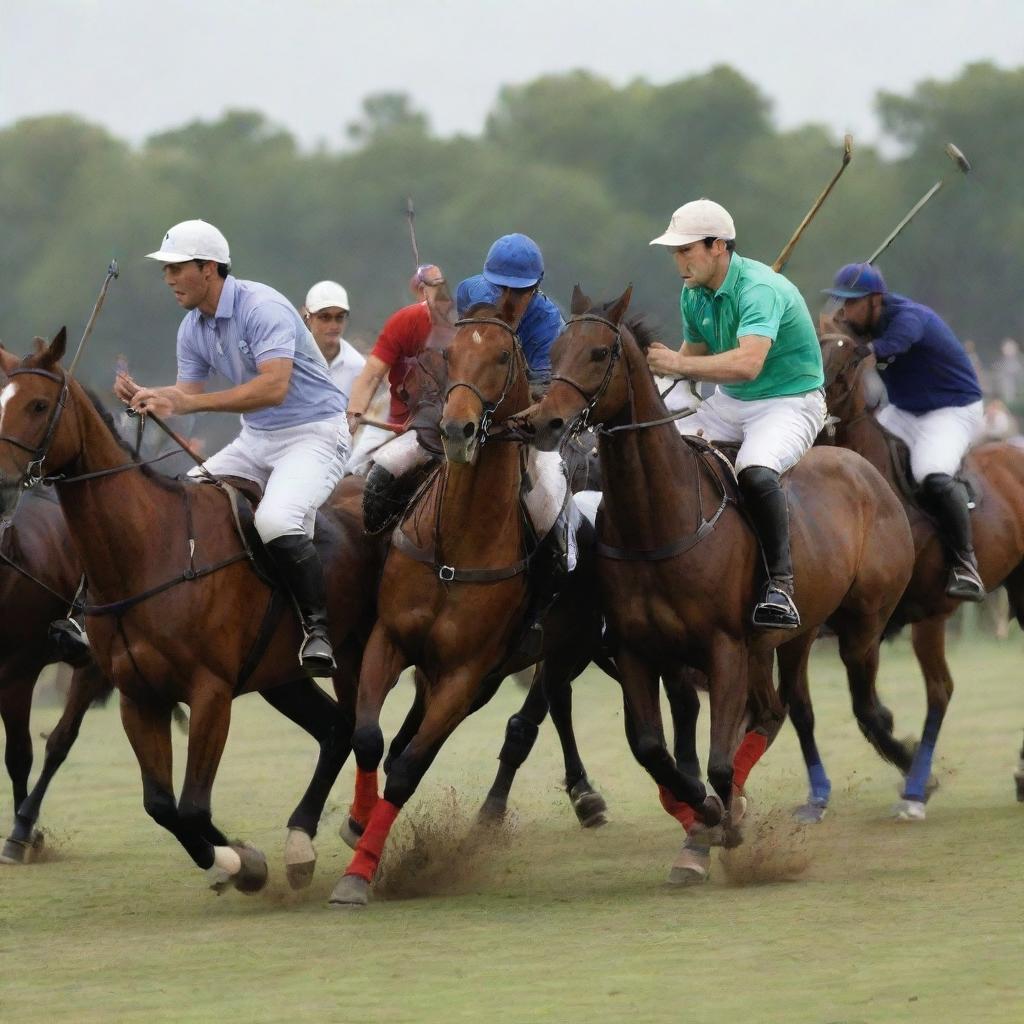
345,367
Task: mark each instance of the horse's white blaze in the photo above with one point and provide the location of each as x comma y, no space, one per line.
7,394
477,338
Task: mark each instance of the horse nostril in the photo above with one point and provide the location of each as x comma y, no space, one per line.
556,424
468,431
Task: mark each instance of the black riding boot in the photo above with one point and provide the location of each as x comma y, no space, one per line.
70,641
386,497
947,500
548,570
298,563
766,505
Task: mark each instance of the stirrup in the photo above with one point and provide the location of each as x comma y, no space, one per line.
316,656
776,609
964,582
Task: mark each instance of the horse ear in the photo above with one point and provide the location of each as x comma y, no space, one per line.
52,353
618,310
512,305
580,302
8,360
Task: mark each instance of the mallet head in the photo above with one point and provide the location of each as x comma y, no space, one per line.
957,156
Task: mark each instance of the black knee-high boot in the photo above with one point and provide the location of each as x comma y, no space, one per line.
766,505
299,565
947,500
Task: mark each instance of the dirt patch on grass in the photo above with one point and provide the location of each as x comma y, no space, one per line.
438,847
775,849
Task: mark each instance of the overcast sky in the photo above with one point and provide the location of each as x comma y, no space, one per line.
139,66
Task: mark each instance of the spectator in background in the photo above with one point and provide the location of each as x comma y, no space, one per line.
326,315
1007,371
997,423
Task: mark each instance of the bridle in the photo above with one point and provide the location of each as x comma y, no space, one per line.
489,408
33,472
846,378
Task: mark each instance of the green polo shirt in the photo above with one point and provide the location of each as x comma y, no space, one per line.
753,299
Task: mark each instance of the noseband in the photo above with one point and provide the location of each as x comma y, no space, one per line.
582,420
34,470
489,408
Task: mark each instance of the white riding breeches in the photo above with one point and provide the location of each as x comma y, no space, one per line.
368,441
543,501
297,467
773,432
938,440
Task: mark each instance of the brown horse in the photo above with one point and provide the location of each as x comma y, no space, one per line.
454,593
178,613
680,563
853,389
39,577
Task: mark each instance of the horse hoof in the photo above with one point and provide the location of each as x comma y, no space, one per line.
351,832
299,858
713,810
589,805
252,875
909,810
1018,778
810,813
738,808
492,812
15,852
691,867
351,891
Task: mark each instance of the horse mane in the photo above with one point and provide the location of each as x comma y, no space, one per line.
167,482
640,325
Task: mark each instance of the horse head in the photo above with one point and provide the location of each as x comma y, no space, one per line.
486,376
588,378
852,383
34,437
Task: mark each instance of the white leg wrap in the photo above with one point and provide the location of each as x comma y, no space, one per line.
401,454
226,864
587,502
544,501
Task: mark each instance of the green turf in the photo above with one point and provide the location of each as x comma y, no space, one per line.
545,922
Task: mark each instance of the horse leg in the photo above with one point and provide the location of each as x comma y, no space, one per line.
929,639
237,863
15,710
410,725
87,684
446,706
558,677
729,686
796,695
520,735
684,705
330,723
859,641
382,664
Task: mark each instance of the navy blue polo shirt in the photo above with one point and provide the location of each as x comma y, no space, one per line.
924,365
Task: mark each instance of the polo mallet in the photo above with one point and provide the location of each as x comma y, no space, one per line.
112,272
783,257
410,216
962,165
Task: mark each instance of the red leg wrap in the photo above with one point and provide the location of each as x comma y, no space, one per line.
365,798
683,813
371,845
753,746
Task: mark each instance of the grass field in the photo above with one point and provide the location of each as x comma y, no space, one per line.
545,922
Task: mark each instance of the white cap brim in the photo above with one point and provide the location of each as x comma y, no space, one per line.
170,257
327,305
675,240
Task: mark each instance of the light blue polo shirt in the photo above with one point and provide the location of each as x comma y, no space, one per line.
254,323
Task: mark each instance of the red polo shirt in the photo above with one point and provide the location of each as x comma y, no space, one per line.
403,337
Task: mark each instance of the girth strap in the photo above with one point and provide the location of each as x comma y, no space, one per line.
448,573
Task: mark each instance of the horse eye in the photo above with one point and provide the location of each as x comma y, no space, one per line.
39,405
444,354
598,355
504,357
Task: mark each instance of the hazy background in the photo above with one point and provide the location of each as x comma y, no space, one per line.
300,128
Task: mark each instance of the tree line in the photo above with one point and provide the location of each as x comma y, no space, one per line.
591,170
